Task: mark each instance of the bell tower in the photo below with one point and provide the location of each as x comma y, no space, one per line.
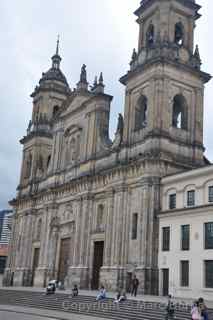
48,97
165,84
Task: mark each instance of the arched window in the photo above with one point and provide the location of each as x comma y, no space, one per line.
100,217
38,229
179,33
28,166
180,112
150,35
55,110
141,113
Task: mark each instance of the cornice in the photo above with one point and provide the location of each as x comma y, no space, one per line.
162,60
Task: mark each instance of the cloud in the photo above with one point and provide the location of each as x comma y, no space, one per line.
100,34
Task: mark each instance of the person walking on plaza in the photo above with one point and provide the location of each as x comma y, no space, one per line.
135,284
195,312
75,291
170,309
203,309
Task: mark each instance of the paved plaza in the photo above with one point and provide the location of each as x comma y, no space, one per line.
7,315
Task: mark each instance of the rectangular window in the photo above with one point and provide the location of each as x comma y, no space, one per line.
172,201
184,273
2,264
211,194
191,198
208,235
134,226
166,239
185,237
209,274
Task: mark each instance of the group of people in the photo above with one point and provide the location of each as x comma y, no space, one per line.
199,310
53,284
121,294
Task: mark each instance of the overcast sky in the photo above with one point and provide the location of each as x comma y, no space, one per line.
99,33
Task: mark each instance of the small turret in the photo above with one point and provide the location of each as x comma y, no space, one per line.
54,77
98,86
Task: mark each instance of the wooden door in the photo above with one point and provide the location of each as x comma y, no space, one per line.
165,282
35,262
128,282
97,263
64,259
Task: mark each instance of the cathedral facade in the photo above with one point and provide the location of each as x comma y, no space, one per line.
86,207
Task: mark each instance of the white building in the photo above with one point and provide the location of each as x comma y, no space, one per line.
186,234
6,224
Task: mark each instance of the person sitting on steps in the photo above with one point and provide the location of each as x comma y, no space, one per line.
121,296
102,294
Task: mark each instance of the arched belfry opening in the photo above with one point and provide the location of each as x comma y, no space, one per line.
180,112
150,35
179,33
55,110
141,111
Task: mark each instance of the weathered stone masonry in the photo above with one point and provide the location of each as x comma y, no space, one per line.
86,207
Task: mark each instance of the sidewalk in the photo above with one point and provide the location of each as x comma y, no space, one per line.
145,298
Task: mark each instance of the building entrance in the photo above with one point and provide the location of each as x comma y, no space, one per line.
64,259
165,274
35,262
97,263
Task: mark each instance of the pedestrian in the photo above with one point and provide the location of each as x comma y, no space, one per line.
203,309
135,284
170,309
195,312
102,294
75,291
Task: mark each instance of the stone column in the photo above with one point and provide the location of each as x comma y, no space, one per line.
108,274
84,240
127,117
74,273
150,200
53,241
113,275
109,229
41,272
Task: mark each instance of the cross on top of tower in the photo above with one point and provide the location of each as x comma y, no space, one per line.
56,59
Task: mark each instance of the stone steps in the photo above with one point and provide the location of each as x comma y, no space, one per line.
86,305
